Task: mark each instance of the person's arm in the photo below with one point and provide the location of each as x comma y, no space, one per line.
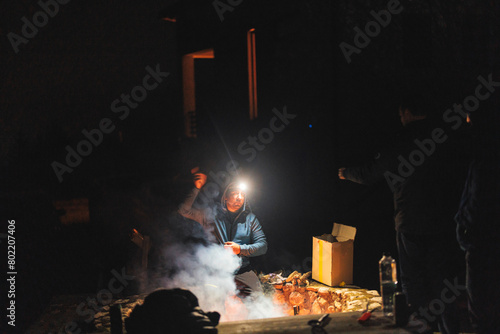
186,209
367,174
259,242
371,172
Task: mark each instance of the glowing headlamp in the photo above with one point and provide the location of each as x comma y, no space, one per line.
238,186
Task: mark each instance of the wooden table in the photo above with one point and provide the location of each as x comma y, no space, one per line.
345,322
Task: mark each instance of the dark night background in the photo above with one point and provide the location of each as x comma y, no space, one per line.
66,77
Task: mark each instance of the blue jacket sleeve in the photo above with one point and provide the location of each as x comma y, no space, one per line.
259,242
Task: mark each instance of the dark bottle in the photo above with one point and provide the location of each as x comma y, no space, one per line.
115,318
401,310
388,283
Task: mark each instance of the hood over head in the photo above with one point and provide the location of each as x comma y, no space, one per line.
231,186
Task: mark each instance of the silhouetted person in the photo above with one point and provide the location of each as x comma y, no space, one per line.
171,311
478,221
423,172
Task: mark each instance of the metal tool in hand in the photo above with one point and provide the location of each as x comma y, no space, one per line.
318,325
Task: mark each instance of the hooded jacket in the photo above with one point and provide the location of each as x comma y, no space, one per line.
243,227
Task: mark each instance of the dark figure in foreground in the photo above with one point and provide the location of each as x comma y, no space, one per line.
233,225
478,221
171,311
423,172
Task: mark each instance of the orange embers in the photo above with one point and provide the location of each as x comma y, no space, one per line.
294,298
298,295
299,300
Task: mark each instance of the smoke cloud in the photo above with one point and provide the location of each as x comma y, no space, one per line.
208,272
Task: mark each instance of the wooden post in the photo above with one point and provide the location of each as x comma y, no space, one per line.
146,245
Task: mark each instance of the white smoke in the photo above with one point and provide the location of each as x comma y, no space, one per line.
261,306
208,272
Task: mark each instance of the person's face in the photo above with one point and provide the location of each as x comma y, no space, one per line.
235,200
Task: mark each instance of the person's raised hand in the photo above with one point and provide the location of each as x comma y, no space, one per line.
341,173
199,178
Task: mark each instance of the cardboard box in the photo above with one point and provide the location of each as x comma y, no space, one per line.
333,259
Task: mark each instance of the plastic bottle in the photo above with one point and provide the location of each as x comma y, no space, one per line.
388,283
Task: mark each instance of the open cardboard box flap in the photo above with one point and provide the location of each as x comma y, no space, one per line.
339,233
343,232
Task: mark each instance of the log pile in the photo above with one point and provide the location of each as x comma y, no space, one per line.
299,295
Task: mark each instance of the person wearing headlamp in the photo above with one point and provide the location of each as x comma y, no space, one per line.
233,225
